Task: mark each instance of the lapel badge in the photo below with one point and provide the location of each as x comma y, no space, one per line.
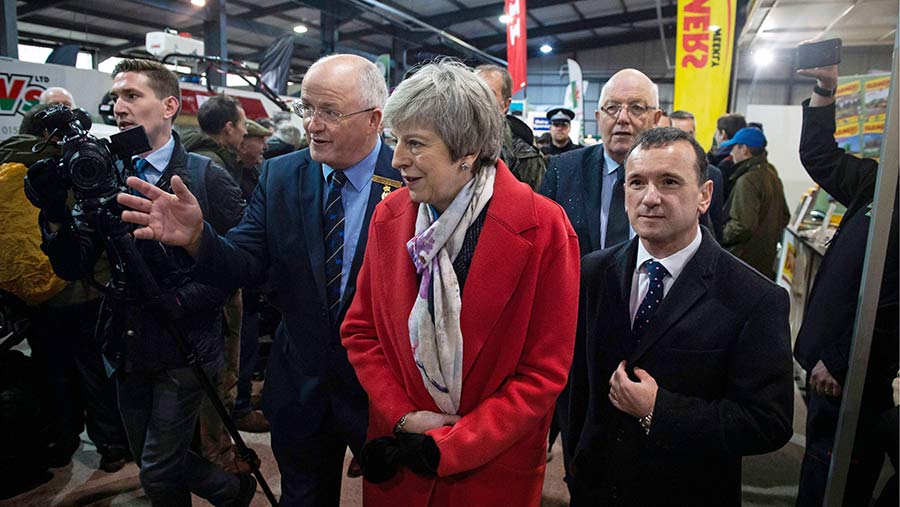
387,184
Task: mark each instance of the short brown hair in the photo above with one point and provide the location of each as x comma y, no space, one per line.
661,137
731,123
216,112
163,81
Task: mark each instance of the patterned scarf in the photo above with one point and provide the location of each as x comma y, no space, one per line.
437,341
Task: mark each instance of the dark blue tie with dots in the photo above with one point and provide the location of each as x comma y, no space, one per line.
333,225
651,300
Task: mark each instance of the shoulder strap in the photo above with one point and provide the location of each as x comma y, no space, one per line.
197,166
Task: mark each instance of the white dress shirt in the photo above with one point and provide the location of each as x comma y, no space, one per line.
674,264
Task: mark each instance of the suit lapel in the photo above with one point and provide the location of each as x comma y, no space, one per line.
620,275
311,210
692,283
593,184
382,168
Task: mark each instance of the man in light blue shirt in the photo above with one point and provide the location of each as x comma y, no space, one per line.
587,182
355,196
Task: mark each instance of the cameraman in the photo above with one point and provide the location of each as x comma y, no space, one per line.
823,343
64,347
158,394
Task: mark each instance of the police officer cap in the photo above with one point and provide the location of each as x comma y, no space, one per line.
256,130
560,114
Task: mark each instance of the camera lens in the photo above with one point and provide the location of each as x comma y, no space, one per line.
88,167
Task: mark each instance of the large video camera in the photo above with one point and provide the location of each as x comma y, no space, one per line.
88,165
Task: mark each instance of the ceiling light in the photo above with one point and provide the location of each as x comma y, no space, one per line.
301,29
505,19
763,57
546,48
198,3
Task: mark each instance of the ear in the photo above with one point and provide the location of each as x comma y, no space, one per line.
597,116
375,119
468,159
706,192
506,105
171,105
657,114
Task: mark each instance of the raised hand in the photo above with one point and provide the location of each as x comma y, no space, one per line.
827,77
174,219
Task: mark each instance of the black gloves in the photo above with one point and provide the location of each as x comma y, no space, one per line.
380,458
45,188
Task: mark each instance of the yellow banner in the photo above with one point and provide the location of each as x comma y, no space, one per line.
704,45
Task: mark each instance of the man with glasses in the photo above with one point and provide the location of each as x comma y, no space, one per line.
588,183
560,125
306,228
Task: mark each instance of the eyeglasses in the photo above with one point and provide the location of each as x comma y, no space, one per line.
635,110
324,115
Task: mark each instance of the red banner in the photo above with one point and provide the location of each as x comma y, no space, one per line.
516,47
191,100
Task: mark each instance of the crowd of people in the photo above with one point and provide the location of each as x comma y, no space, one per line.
450,298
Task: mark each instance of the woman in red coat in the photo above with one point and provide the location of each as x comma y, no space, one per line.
463,324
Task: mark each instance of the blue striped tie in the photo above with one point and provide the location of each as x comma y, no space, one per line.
333,225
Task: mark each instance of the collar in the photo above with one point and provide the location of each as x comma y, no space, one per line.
611,165
359,174
674,263
745,165
160,158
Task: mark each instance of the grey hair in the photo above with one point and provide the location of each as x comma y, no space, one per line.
290,134
654,89
371,86
447,97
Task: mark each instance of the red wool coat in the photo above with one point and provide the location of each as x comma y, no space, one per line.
518,319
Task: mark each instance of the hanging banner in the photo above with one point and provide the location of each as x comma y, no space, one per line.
704,46
516,47
574,98
275,66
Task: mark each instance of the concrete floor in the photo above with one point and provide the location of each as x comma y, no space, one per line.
769,480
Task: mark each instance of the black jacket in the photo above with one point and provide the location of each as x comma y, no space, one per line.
719,349
75,247
827,328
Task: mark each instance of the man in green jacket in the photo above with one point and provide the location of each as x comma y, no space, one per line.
223,126
756,212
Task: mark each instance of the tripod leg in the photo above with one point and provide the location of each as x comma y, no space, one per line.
122,246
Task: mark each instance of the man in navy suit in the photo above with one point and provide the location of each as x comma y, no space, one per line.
587,183
306,228
682,358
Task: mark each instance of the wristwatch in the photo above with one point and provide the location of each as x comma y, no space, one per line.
645,422
818,90
398,428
